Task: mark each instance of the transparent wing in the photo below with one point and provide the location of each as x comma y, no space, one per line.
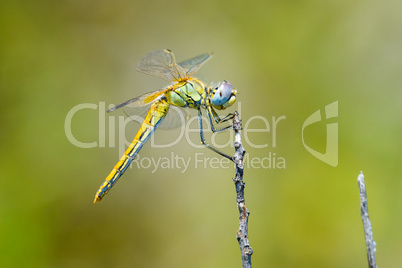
140,101
161,64
192,65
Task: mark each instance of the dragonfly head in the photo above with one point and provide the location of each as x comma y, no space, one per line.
223,95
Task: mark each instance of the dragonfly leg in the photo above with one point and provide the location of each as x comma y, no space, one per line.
212,114
203,140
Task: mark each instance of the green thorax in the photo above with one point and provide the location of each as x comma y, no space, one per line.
190,93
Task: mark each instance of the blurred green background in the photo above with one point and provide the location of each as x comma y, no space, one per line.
286,58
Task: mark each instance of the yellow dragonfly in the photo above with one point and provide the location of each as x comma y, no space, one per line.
185,91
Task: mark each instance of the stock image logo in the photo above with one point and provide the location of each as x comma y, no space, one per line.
330,156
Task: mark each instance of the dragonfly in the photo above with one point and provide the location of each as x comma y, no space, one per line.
185,90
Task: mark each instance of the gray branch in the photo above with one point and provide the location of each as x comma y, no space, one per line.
368,232
242,233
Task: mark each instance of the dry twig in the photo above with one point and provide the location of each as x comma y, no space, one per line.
242,233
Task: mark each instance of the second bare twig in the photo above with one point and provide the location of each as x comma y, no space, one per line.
368,231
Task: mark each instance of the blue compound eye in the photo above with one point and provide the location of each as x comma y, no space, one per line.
222,94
